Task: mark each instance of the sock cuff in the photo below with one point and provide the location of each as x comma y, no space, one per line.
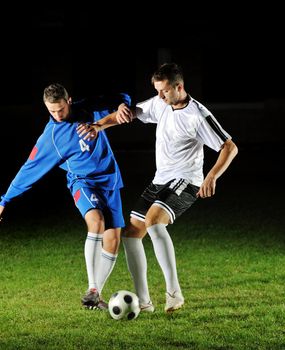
94,236
108,255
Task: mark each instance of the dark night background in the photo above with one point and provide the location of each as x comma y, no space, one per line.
234,66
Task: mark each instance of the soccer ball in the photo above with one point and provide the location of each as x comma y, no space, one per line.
124,305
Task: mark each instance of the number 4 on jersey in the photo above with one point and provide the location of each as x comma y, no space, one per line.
83,145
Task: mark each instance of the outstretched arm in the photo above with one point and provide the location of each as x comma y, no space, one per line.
41,160
226,155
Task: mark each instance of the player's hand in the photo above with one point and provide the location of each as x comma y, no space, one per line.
1,211
207,188
124,114
90,132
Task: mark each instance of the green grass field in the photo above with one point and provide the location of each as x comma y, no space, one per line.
231,263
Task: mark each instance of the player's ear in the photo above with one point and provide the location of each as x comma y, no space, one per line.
179,87
69,101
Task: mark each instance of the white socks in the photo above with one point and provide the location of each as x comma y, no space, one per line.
92,253
165,254
99,262
107,264
137,265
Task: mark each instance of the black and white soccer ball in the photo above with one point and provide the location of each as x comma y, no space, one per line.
124,304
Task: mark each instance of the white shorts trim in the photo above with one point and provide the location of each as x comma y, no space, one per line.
138,216
169,211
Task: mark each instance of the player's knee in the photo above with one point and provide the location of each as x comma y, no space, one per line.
95,221
95,226
152,220
156,217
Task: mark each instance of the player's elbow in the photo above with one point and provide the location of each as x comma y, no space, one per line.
234,150
231,148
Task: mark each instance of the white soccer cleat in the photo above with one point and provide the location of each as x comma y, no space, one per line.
173,301
148,307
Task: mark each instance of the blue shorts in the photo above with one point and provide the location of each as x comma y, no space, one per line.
109,202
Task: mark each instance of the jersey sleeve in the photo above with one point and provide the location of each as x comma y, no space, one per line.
146,111
211,133
41,160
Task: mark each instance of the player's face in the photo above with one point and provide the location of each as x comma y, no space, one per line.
59,110
167,92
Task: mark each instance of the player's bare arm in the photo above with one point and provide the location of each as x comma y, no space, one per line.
90,131
226,155
1,211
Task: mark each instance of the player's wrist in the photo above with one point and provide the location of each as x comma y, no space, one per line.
97,127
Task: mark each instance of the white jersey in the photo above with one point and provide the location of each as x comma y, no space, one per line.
180,137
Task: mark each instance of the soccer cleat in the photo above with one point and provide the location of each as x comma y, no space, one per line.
91,299
148,307
173,301
102,305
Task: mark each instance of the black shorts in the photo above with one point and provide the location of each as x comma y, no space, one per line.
175,197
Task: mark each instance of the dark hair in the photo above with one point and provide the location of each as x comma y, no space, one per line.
54,93
168,71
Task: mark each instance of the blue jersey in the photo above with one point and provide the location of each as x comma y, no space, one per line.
87,163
